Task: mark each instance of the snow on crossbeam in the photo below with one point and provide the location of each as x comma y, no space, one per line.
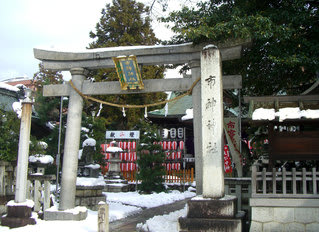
146,55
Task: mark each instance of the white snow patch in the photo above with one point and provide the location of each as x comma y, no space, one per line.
288,113
310,114
84,129
50,125
89,142
109,49
284,113
209,46
80,154
263,114
43,145
93,166
43,159
17,108
149,201
8,87
166,222
189,115
28,203
89,181
114,149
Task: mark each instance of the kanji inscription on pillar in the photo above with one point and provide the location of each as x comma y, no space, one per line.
212,118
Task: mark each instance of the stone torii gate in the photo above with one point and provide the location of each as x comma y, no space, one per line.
208,121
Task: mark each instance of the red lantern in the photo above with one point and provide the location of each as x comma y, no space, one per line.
164,145
133,146
120,144
178,155
104,147
181,145
124,146
174,155
174,145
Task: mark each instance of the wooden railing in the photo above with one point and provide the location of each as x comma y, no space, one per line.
180,176
285,184
172,176
241,188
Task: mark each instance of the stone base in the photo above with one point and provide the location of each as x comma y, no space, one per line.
89,196
76,214
210,215
90,202
284,214
211,225
116,188
116,185
18,216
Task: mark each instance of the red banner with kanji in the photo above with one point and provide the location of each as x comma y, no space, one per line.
227,160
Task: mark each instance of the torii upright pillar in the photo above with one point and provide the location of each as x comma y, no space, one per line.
72,142
70,157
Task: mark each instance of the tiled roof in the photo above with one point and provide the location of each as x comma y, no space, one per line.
175,109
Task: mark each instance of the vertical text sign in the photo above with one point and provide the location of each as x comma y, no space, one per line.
212,123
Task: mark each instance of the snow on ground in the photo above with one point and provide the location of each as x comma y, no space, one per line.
166,222
148,201
121,205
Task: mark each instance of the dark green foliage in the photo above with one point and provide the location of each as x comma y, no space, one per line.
9,139
151,169
47,108
96,129
125,23
284,54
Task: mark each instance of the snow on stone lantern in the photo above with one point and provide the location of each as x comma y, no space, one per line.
87,166
40,161
114,178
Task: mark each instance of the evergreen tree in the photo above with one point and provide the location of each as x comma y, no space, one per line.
94,128
125,23
48,108
152,156
9,139
284,55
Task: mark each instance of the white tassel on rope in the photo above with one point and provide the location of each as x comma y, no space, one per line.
99,112
145,114
166,109
123,110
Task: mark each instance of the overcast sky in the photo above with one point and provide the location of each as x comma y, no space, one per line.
27,24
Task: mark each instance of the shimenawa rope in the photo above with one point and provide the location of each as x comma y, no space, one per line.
188,92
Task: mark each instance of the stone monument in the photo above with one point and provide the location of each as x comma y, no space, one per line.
212,211
89,185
